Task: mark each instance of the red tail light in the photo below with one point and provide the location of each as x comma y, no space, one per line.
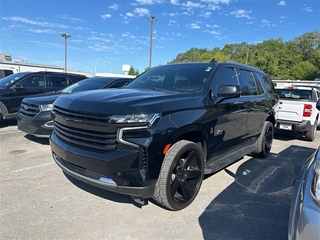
307,110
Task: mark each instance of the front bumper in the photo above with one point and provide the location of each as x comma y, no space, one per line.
304,220
116,171
301,127
40,126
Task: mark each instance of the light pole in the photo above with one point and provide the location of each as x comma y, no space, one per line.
65,36
152,19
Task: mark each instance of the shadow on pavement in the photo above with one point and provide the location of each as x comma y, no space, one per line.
257,204
43,141
8,123
115,197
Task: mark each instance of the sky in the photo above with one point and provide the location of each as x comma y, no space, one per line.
107,34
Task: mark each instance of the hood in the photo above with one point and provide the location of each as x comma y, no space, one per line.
125,101
41,99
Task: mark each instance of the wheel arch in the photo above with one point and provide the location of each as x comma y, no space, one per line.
194,133
3,111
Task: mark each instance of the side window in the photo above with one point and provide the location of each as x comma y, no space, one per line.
34,81
247,83
58,81
226,76
267,82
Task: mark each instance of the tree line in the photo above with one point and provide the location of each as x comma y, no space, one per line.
296,59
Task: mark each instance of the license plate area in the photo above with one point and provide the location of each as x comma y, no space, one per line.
285,126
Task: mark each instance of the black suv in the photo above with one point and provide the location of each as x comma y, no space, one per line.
164,131
34,116
15,87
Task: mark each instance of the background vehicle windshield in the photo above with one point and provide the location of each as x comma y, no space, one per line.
181,78
11,79
83,86
294,93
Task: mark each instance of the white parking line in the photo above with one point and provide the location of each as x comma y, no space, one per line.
33,167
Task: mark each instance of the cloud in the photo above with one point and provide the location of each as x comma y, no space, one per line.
241,13
114,7
189,5
193,26
148,2
68,17
206,14
217,1
106,16
282,3
129,14
38,23
308,9
212,32
141,12
174,2
42,31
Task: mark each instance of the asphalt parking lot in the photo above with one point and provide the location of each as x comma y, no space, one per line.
248,200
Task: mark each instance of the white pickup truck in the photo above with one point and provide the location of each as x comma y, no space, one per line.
296,110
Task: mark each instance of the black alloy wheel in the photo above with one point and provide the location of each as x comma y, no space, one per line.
181,176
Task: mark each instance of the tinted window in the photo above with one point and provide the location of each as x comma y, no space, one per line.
226,76
267,82
33,81
58,81
11,79
247,83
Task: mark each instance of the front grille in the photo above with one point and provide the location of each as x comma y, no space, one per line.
29,110
85,136
83,116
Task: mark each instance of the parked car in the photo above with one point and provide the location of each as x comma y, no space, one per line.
158,136
304,220
4,72
34,116
15,87
296,110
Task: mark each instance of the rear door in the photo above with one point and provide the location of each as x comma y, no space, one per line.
255,102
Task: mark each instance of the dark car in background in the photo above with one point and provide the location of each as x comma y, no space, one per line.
34,116
15,87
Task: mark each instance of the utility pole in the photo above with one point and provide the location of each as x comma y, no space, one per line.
247,56
152,19
65,36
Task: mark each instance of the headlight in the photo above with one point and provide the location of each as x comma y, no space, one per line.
315,187
46,107
135,118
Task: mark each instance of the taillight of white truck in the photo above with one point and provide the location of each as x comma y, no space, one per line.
307,110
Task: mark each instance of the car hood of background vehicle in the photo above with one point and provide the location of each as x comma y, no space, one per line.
126,101
45,99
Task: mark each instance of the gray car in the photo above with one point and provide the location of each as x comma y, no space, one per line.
304,221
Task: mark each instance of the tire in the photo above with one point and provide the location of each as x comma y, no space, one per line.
180,177
312,133
264,142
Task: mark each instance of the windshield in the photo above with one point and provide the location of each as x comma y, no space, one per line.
83,85
180,78
12,78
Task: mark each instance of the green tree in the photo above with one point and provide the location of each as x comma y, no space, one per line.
133,72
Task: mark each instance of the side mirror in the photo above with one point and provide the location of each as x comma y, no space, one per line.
318,104
19,86
229,91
